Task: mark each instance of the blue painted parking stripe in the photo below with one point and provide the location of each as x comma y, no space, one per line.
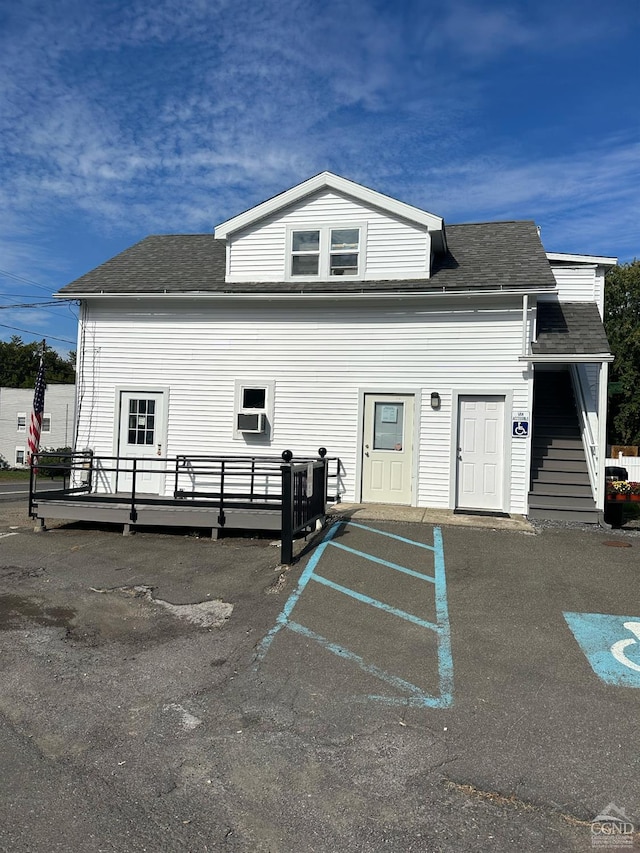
372,669
386,563
365,599
392,536
442,628
283,616
445,656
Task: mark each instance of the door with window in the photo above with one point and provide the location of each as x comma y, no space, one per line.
387,449
480,465
141,436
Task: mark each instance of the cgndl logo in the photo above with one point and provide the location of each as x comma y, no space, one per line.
612,828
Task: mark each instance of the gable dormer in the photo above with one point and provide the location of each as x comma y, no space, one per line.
328,227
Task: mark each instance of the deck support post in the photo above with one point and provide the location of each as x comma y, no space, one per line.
215,532
126,530
41,527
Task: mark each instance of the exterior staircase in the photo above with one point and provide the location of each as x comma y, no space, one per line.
560,487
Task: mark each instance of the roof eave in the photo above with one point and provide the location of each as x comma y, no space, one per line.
274,295
567,358
597,260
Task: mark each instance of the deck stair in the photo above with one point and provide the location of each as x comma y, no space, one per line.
560,486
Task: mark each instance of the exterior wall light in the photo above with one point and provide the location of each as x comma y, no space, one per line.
435,400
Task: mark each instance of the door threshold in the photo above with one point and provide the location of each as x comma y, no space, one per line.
483,512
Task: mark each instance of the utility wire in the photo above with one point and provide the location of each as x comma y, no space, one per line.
37,334
21,296
24,280
30,305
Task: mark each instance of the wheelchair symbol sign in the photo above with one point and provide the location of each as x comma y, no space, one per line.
520,429
611,644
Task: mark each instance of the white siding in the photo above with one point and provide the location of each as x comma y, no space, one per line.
395,249
320,359
574,284
59,403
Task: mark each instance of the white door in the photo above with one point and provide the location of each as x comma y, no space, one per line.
480,452
387,449
142,436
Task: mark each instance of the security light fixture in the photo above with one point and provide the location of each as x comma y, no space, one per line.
435,400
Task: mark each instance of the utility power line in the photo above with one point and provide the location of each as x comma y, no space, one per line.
36,334
24,280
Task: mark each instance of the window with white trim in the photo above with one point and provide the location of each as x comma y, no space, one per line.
22,422
46,422
321,253
20,456
253,412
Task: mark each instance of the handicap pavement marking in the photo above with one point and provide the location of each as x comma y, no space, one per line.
611,645
441,627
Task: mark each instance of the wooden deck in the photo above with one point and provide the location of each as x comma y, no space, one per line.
231,493
153,511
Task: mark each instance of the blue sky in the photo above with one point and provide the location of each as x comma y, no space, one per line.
119,120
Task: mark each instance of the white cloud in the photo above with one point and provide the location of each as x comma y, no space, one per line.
169,116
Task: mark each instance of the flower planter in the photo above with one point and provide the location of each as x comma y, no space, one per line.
634,497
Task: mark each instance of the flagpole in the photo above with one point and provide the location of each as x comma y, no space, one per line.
35,425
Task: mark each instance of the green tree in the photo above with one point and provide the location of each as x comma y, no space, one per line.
19,364
622,322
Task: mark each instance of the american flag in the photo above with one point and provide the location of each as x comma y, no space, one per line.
35,425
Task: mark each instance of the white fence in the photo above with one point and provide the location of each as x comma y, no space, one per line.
631,463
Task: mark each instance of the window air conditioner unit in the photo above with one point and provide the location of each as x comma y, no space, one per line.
254,422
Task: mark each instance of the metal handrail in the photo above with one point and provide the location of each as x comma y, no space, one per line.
590,445
231,472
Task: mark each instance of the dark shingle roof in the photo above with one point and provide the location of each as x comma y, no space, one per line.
170,263
489,255
569,328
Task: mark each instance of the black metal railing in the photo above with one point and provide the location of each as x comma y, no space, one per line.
74,467
304,496
299,488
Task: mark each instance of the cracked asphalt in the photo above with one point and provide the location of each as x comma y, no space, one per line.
125,726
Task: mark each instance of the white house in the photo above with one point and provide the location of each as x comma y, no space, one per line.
16,405
458,367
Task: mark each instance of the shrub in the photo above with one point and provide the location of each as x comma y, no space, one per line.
54,463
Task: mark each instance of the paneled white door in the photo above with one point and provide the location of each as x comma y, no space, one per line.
387,449
142,436
480,469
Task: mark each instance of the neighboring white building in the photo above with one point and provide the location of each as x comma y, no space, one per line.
16,405
334,315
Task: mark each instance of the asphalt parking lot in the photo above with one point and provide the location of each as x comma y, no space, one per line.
403,687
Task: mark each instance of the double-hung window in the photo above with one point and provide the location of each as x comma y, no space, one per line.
305,253
325,252
344,251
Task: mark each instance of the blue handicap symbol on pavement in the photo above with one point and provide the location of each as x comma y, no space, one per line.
611,645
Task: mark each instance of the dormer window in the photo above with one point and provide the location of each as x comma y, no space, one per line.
325,252
305,253
345,243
